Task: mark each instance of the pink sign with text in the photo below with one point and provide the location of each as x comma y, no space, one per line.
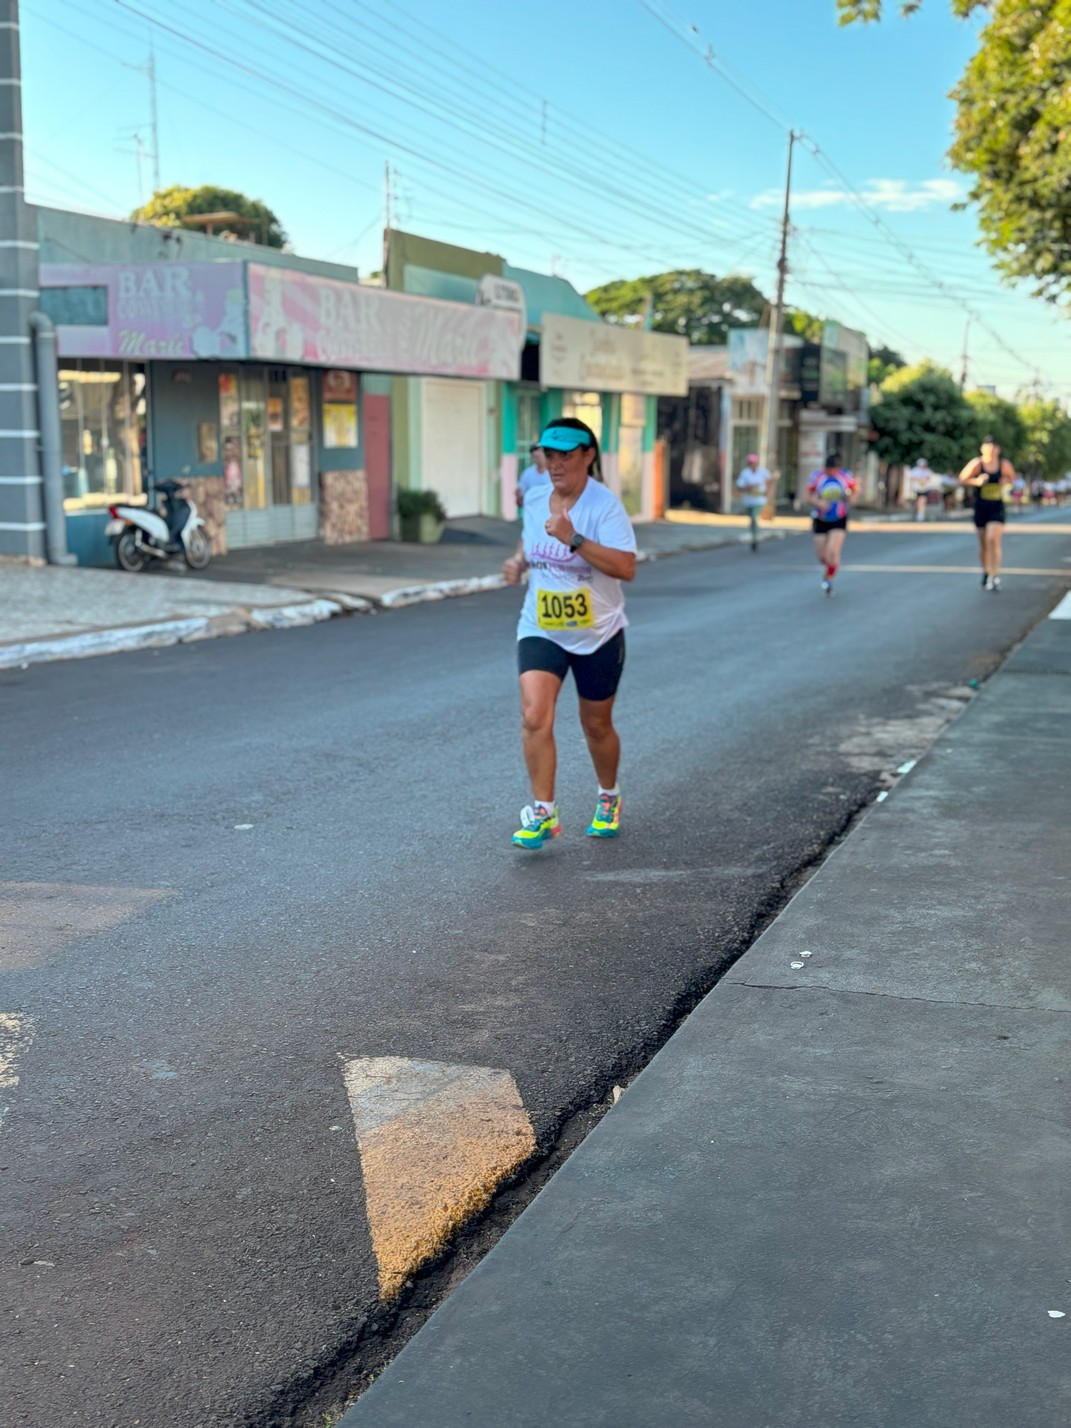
153,310
294,317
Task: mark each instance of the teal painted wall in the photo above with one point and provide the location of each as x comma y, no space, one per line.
175,408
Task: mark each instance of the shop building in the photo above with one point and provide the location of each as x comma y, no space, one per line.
262,380
471,445
823,405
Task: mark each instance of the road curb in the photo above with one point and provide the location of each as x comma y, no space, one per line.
161,633
243,620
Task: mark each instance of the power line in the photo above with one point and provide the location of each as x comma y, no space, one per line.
690,35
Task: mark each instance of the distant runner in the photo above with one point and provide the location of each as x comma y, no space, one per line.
578,543
831,491
991,476
535,474
754,481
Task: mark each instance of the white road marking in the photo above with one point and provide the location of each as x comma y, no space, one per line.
16,1033
1063,610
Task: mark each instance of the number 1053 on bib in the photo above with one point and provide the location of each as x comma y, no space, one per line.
556,611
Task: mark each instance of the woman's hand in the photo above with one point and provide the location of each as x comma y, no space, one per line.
513,569
560,527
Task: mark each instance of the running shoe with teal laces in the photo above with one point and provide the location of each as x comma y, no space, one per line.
537,825
607,820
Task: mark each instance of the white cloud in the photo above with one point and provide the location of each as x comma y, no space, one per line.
893,195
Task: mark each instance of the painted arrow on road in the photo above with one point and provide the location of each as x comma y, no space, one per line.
435,1142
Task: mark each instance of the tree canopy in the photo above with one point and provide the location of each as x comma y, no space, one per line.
1046,449
173,207
687,302
1012,133
995,416
922,412
884,361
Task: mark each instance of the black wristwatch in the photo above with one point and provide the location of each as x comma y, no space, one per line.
577,541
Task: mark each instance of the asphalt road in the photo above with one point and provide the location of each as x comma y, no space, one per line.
184,1237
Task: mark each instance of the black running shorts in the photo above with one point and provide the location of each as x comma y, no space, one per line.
597,675
821,527
986,511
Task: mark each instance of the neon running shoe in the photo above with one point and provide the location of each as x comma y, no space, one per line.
607,820
537,825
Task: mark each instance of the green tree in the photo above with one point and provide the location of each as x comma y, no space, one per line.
884,361
173,207
687,302
1046,449
922,412
1012,133
1001,419
804,324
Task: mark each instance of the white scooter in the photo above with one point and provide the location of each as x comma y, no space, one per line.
172,528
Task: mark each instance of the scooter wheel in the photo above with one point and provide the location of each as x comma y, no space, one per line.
198,551
128,552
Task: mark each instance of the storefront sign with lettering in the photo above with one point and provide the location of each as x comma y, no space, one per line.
153,310
295,317
598,357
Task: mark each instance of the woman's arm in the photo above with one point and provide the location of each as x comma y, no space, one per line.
513,568
621,564
972,474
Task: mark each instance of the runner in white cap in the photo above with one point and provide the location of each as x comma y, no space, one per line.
578,544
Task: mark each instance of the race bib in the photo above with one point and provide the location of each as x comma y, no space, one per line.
991,491
558,611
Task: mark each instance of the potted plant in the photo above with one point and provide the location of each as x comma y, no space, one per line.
421,516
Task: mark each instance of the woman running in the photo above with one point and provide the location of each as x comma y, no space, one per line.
578,543
831,491
991,476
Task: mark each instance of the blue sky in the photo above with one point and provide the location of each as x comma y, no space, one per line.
584,137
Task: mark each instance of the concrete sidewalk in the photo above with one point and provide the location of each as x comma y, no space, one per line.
52,612
839,1195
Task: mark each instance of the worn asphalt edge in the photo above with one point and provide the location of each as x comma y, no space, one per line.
125,639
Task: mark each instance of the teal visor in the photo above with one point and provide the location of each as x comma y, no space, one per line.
563,438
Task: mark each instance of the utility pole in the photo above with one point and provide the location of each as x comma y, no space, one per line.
150,70
768,442
386,218
963,369
22,527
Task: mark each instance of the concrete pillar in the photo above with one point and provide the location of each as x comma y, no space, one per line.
22,525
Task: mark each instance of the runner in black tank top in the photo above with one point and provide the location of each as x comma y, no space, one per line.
990,476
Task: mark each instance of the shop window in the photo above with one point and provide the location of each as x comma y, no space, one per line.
103,430
528,425
748,409
745,440
588,407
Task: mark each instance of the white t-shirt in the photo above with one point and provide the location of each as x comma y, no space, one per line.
580,607
754,485
923,480
532,476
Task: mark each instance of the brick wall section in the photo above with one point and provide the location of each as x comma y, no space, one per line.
343,507
206,492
